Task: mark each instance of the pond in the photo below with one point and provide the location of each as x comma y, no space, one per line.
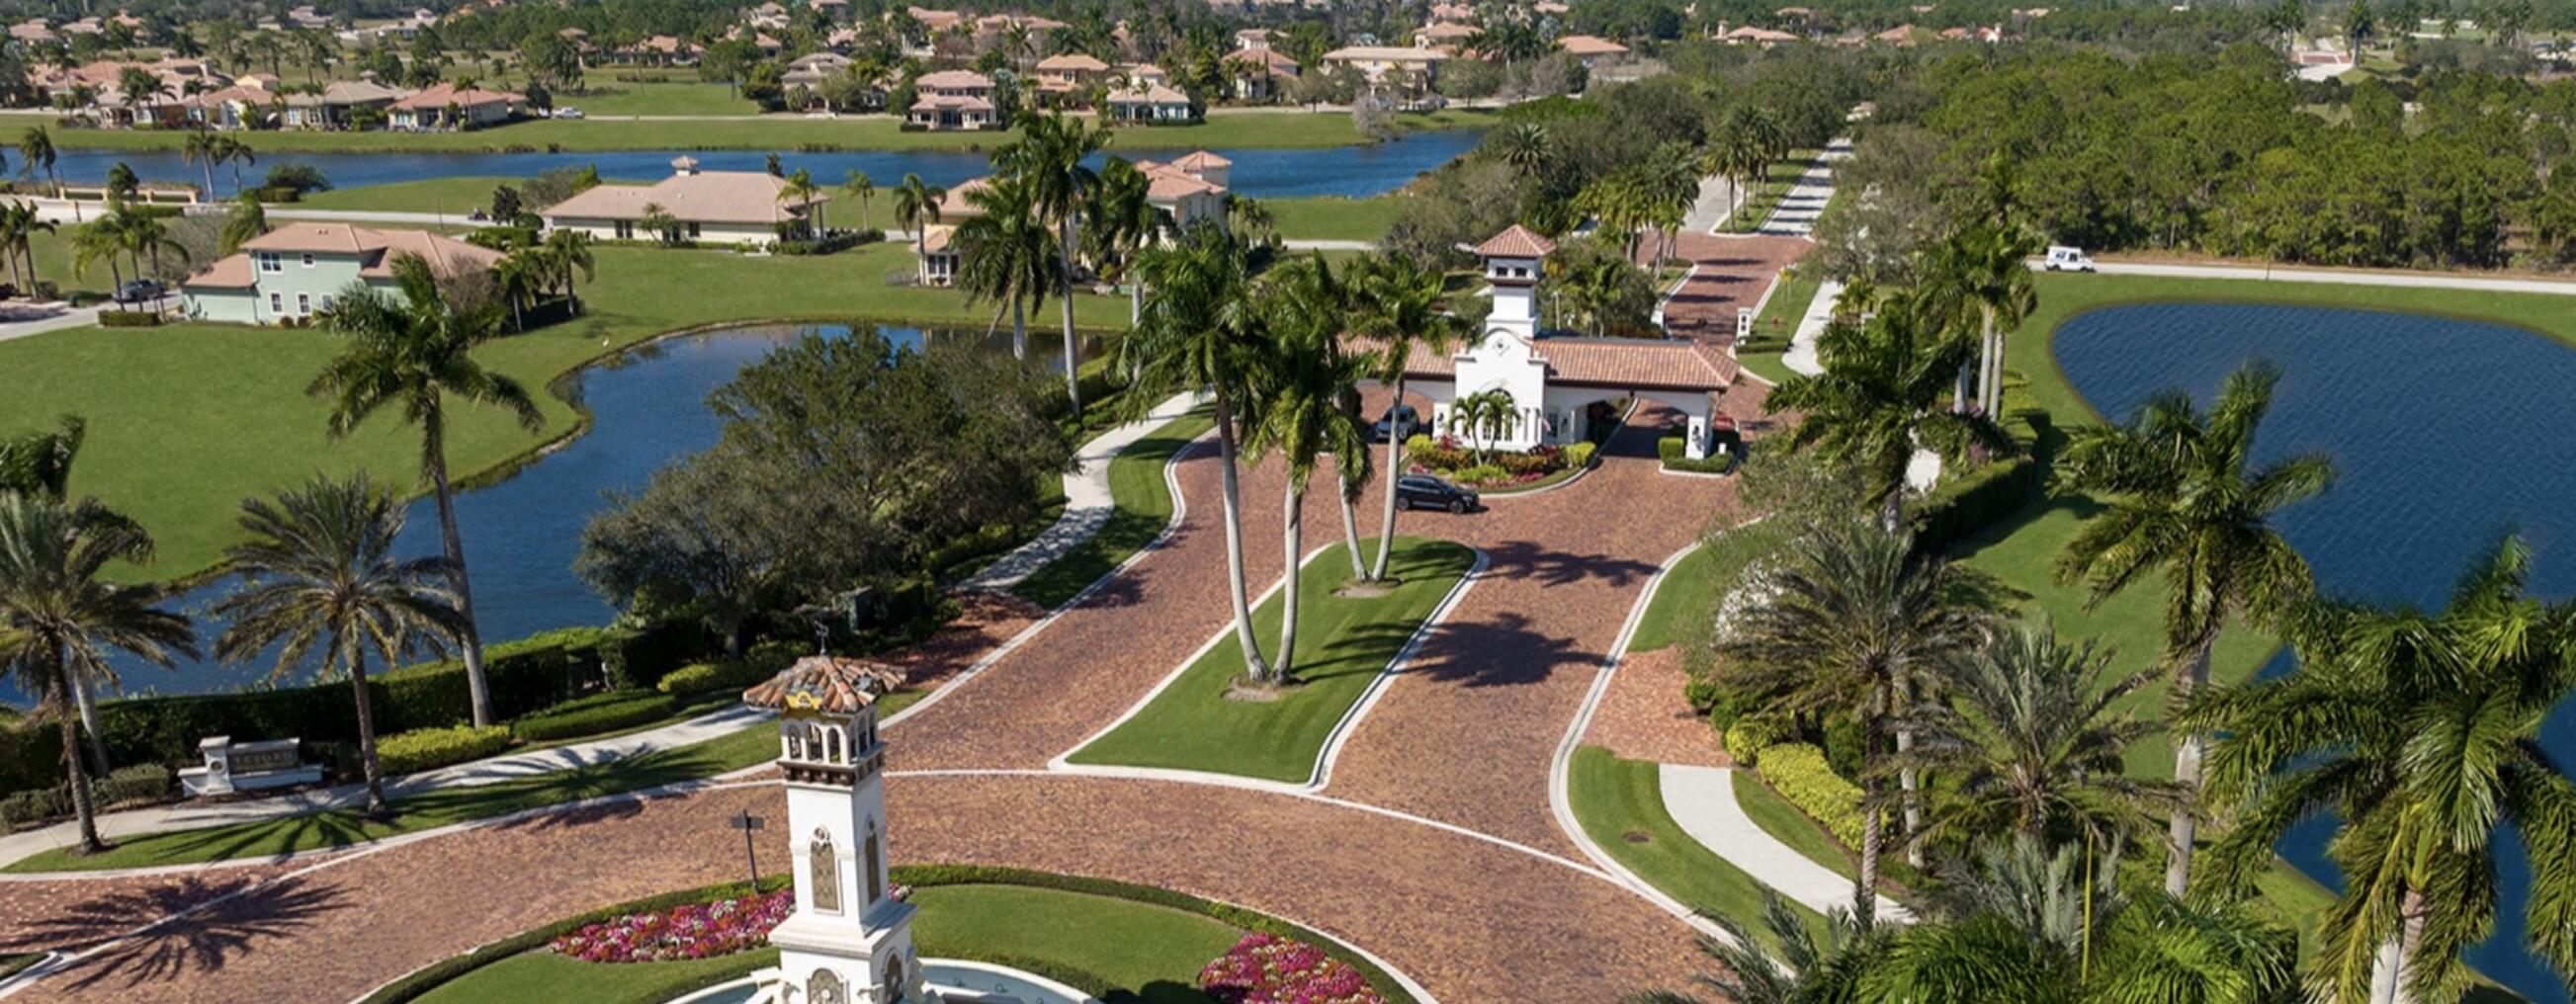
648,406
2445,435
1356,171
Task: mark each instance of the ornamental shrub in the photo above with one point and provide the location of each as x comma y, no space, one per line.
1749,735
1798,771
1265,968
134,782
128,319
1442,454
424,749
686,931
1579,454
607,712
1671,451
763,662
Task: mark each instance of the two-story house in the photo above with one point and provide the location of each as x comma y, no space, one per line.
290,274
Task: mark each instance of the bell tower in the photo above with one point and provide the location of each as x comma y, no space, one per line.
1513,261
848,941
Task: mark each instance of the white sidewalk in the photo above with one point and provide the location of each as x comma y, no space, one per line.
1795,214
1088,503
1702,801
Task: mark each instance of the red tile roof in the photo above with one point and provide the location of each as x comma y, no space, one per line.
1517,242
828,683
1614,363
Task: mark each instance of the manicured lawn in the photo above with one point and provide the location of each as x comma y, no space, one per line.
1778,322
621,98
185,421
1776,181
1143,504
341,828
1343,644
458,196
1332,218
1148,954
1621,806
1222,129
1688,595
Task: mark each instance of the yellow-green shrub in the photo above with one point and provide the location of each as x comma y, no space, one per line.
424,749
1799,772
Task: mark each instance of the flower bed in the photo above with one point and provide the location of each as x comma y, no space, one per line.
1502,469
1269,969
687,931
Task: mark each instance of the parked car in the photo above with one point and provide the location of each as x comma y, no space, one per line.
1399,422
2067,259
1422,491
568,113
141,291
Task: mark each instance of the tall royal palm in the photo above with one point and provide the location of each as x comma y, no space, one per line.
1048,158
2422,733
569,251
1006,254
916,206
2181,498
1853,620
64,616
40,463
1302,384
1878,400
2032,734
415,354
1982,275
1202,332
36,150
1397,304
1119,220
320,577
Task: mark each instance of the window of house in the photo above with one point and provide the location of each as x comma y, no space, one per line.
693,231
268,262
308,259
625,230
303,303
276,303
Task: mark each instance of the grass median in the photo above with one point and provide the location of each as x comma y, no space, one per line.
1200,723
1620,804
1141,506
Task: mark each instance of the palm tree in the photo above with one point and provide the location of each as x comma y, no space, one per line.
41,463
1741,148
64,617
1200,332
2422,733
416,354
36,148
246,220
1120,220
20,223
519,277
863,188
2033,737
659,222
99,240
570,252
320,568
800,190
138,85
1486,416
1007,254
1984,272
140,235
2177,498
203,149
1523,146
1306,381
1048,159
1789,966
1397,303
1853,619
234,151
916,205
1878,400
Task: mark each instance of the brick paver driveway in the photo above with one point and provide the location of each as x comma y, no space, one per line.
1432,845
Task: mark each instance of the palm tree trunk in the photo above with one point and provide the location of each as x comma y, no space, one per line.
76,775
1072,353
1232,491
1292,544
1019,329
369,765
88,703
1394,470
1905,780
2192,675
471,639
2396,960
1135,300
1865,886
1985,354
1351,526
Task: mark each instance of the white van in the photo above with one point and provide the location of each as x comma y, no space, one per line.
2066,259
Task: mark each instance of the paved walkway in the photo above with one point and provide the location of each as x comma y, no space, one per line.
1716,200
1801,356
1795,214
1088,503
2349,277
1730,272
18,320
1702,801
377,216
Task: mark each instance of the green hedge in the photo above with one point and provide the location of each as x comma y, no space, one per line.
922,876
761,663
1799,772
125,784
430,977
1959,508
128,319
1671,451
608,712
424,749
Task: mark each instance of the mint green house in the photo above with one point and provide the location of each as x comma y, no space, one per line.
290,274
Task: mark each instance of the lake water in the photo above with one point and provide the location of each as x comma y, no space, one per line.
2445,435
1356,171
521,535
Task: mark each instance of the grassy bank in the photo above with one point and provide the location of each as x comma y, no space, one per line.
1620,804
1343,644
1333,218
187,420
1237,129
457,196
1142,504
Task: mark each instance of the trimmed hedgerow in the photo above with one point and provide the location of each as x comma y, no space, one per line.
424,749
1799,773
1670,449
608,712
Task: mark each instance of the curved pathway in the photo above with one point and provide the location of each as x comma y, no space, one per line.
1433,846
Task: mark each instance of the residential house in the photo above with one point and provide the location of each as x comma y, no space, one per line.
31,31
1452,13
1252,38
1390,65
811,70
1592,51
1150,103
1146,75
294,272
1751,35
1182,192
709,207
660,50
1069,73
447,106
245,105
1445,36
952,99
335,106
1260,75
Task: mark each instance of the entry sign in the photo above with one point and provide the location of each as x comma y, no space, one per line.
1743,323
749,824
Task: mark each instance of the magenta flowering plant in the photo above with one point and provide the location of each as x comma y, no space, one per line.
1269,969
687,931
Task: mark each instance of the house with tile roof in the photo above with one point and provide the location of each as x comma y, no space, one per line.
290,274
952,100
1592,50
1383,64
707,207
447,106
1151,104
339,100
1260,75
1182,192
1554,380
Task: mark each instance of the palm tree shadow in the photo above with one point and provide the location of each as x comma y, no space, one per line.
198,943
1525,560
1500,652
1363,651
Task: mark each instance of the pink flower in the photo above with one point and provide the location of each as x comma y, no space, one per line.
687,931
1268,969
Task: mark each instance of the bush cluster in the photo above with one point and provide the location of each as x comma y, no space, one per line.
136,782
1670,449
605,712
1799,772
835,241
425,749
128,319
759,664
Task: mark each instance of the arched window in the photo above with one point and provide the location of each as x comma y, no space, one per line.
823,872
894,978
875,866
825,988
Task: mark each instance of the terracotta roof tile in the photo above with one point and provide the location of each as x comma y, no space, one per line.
1517,242
827,683
1670,364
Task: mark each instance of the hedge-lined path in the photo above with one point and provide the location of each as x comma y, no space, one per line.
1433,847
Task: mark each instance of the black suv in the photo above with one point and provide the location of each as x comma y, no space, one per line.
1422,491
1399,422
